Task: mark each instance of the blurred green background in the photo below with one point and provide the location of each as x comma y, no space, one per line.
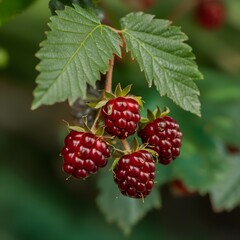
36,202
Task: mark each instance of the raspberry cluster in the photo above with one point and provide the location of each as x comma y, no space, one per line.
86,150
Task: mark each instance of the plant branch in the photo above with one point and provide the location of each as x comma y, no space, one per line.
126,144
108,88
108,82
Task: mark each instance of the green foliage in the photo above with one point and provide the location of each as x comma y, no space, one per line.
165,59
60,4
9,8
77,49
220,98
3,58
73,56
225,194
126,212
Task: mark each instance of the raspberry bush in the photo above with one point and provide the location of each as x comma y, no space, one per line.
83,50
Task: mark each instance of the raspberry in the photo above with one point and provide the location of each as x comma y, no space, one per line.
164,136
210,13
134,174
121,116
84,153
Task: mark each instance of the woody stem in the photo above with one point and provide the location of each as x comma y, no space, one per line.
125,144
108,88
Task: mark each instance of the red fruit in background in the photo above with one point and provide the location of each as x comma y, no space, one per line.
178,188
121,116
164,136
84,153
135,173
232,150
210,14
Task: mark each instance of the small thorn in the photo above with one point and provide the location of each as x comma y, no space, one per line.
68,177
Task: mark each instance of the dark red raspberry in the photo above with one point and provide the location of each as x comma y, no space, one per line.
210,13
134,174
164,136
84,153
121,116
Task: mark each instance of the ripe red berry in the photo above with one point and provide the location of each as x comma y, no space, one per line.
164,136
210,13
84,153
134,174
121,116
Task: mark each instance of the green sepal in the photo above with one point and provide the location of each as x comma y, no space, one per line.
100,131
139,101
76,128
115,162
109,95
150,115
126,90
135,145
98,104
118,90
144,120
165,112
85,125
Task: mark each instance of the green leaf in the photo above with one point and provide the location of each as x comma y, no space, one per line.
225,194
126,212
220,101
9,9
198,171
164,57
77,49
60,4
